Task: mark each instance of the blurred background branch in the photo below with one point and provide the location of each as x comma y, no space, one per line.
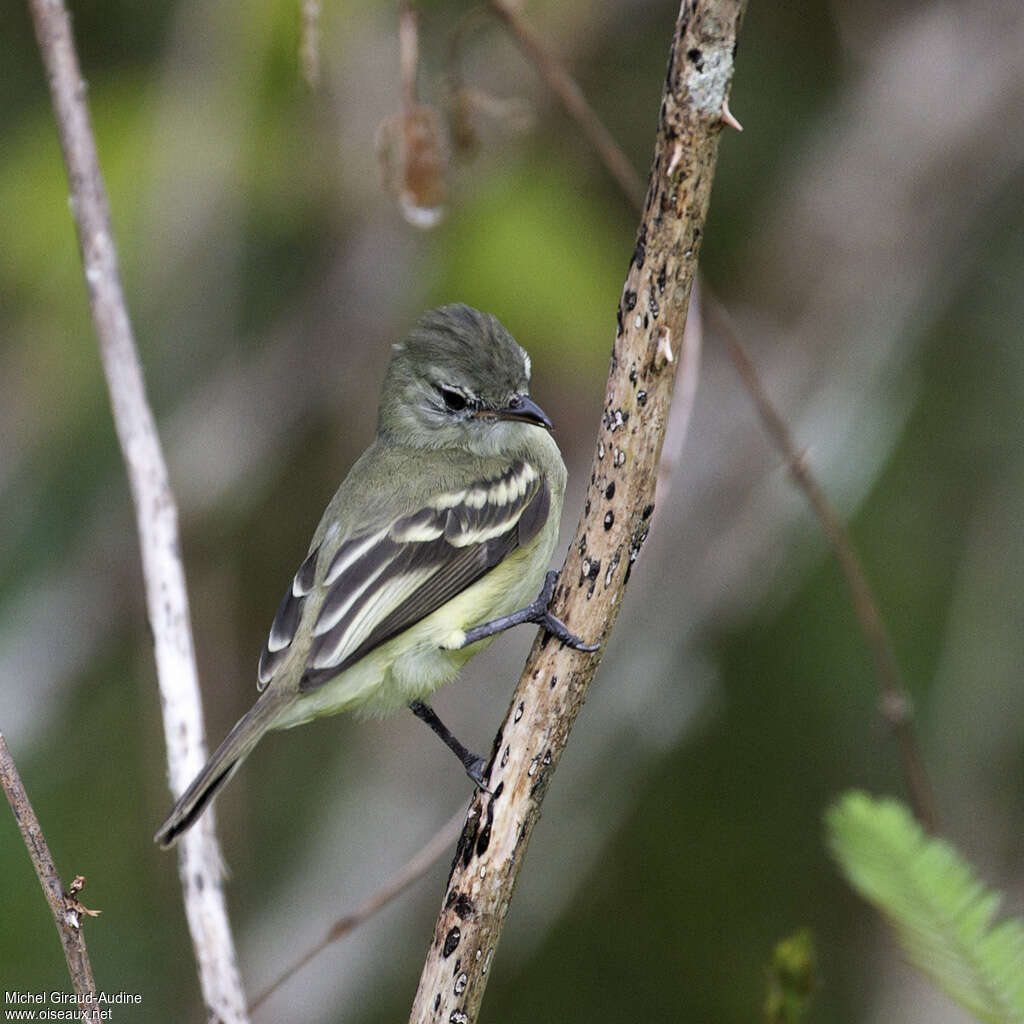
894,700
419,864
156,512
569,94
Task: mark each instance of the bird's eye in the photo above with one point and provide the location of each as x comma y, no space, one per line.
454,401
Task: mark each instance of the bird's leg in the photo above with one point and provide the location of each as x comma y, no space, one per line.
536,611
473,763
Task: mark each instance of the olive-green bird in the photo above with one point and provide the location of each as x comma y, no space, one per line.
436,541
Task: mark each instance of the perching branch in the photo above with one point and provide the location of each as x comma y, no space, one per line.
616,518
199,861
895,702
67,911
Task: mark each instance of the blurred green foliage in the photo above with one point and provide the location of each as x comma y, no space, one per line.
267,273
944,916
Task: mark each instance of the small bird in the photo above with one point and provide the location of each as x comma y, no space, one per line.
435,542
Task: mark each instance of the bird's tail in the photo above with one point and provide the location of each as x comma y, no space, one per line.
225,761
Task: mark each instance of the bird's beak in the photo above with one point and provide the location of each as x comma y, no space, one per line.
523,408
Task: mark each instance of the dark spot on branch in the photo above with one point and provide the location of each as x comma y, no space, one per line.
451,942
637,542
483,840
464,848
609,491
640,252
647,512
629,300
641,397
609,519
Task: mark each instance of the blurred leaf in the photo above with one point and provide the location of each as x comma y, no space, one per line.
533,241
942,914
791,979
40,265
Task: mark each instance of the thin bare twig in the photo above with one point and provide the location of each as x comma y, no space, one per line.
65,909
895,702
411,146
686,393
415,869
617,516
408,56
199,862
309,45
562,84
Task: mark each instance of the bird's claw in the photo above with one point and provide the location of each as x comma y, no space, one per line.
555,626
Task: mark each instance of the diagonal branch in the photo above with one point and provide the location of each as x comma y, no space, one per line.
417,866
564,86
65,909
199,861
895,701
616,519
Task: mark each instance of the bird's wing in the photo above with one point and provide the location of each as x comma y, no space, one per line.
379,583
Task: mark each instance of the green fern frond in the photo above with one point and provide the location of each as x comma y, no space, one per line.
942,914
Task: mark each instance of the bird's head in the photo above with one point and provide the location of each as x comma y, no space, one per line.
459,380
